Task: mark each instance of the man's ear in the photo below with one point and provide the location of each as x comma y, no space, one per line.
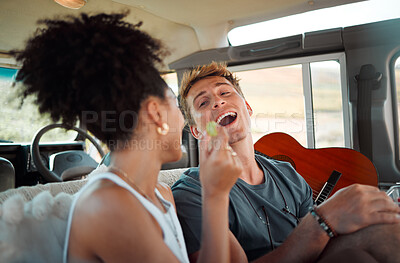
249,109
195,132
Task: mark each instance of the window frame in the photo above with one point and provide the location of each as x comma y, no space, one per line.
396,122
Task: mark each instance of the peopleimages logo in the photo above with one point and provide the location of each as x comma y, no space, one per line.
125,121
109,120
294,122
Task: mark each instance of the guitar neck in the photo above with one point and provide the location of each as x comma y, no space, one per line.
328,187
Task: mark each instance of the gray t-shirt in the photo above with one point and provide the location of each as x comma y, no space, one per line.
282,185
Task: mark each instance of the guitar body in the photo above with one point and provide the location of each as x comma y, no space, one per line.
316,165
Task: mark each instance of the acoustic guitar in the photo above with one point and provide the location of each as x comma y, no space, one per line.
326,170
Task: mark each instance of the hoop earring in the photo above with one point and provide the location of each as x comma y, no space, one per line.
164,130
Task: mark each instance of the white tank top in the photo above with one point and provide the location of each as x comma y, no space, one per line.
172,231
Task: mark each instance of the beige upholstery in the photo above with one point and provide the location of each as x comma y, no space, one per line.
33,220
34,231
29,192
170,176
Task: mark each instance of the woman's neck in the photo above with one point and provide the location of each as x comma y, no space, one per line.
140,167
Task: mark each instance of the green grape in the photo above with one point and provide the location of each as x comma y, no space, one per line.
212,128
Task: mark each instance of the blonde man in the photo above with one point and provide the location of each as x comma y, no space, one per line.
271,212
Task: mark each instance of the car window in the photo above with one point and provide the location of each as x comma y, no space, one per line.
276,97
172,81
327,104
373,11
303,99
19,123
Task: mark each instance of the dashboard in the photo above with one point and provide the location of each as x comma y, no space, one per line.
19,155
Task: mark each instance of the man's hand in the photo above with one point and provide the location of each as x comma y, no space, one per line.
358,206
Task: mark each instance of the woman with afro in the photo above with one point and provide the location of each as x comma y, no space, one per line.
101,71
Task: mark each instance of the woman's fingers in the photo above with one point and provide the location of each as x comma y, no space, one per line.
219,165
218,144
204,147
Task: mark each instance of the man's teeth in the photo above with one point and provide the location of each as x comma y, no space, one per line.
224,115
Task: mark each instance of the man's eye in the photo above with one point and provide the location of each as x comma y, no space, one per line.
202,104
225,93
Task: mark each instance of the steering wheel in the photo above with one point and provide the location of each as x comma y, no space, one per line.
65,165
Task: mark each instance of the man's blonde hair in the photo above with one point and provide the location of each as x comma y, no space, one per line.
199,73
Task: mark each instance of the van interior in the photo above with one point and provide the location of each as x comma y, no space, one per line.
333,87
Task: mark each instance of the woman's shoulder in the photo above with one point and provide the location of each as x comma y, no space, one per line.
106,206
106,211
104,200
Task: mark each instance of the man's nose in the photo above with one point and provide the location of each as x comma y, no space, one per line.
218,103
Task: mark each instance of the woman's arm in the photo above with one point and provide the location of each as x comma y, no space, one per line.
219,169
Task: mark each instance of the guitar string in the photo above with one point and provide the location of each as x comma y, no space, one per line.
325,192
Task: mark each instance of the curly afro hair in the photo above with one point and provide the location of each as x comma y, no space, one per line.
96,69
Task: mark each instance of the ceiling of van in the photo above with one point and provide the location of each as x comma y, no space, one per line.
207,17
198,13
185,26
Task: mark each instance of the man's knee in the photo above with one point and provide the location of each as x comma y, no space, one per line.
380,241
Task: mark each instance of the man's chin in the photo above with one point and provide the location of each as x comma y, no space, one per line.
236,137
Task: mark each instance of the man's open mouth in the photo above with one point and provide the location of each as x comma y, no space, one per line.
226,118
